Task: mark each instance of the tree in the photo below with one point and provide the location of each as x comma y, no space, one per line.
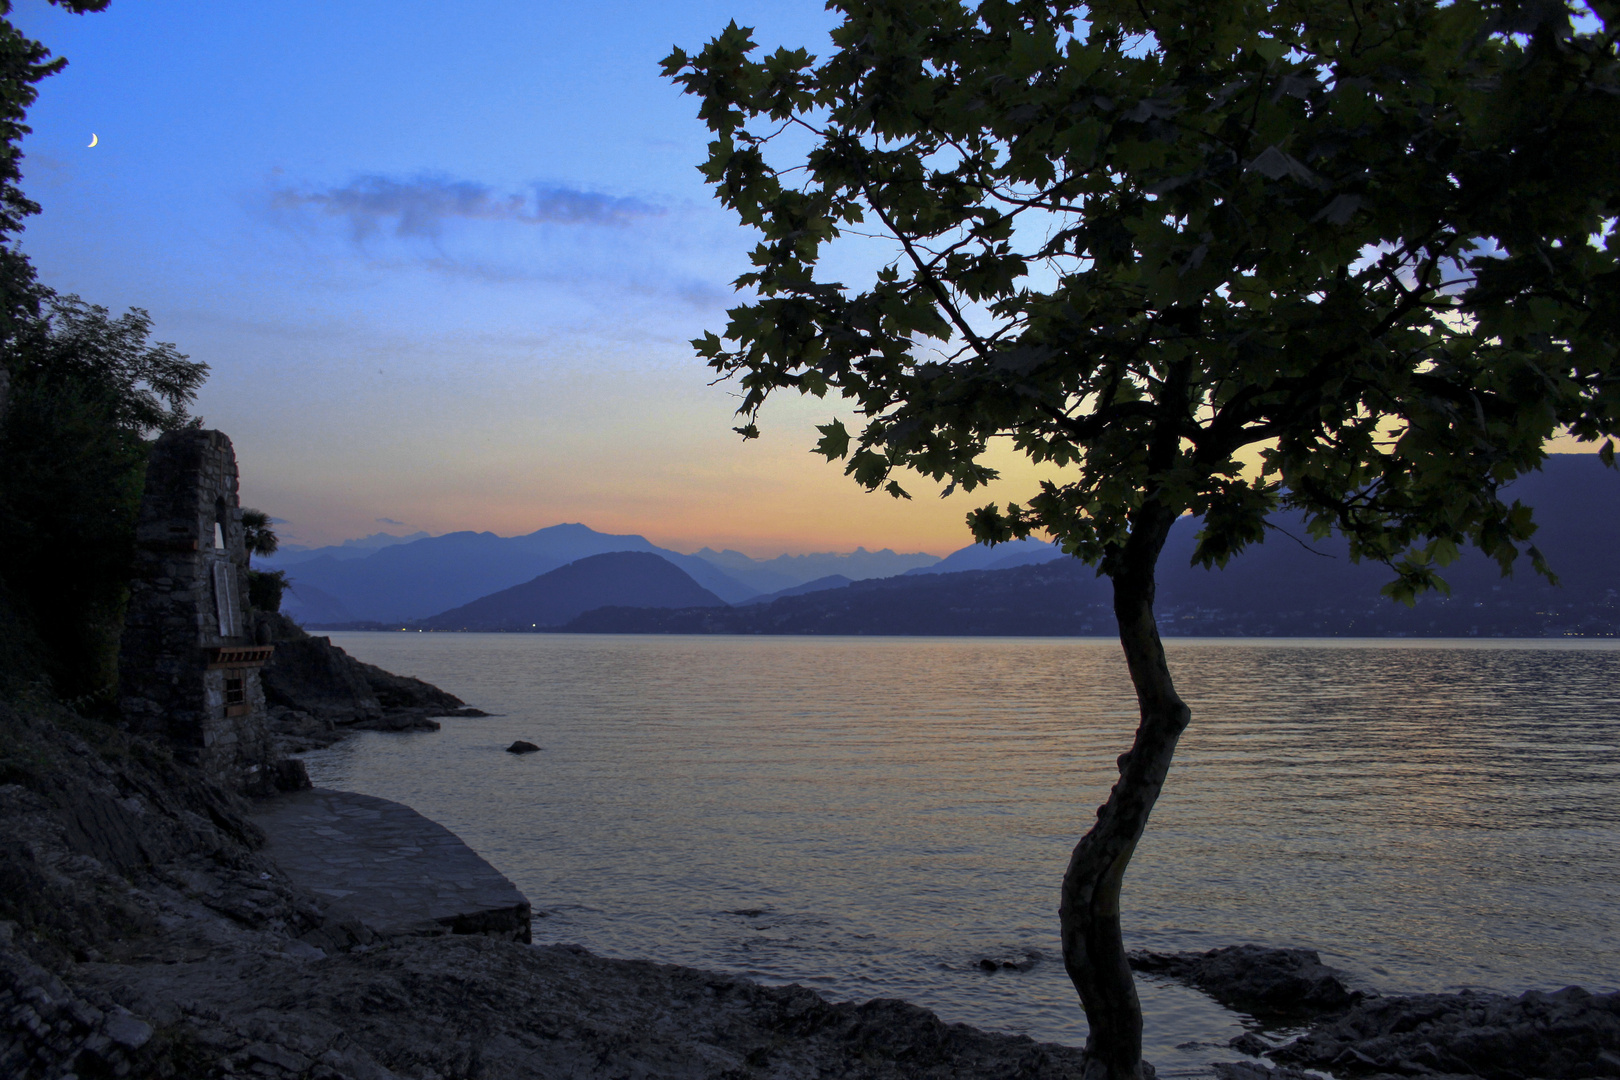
1355,258
23,63
257,535
79,393
265,587
87,392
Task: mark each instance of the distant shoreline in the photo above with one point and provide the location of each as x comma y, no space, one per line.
409,628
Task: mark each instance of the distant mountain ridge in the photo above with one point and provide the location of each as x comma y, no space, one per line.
791,571
293,554
415,579
640,578
1279,588
1282,587
821,584
1026,552
410,581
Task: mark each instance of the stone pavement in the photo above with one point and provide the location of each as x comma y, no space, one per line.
387,866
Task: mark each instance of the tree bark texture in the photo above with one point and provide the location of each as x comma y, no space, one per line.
1093,948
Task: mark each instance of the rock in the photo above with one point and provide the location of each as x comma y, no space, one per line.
311,675
1554,1036
521,747
1249,1043
1253,1070
398,720
1023,962
278,1056
466,713
298,732
1267,982
314,689
127,1031
404,692
289,774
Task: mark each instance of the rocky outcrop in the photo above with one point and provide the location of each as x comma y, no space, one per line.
493,1009
403,692
388,867
317,692
312,675
1567,1035
1272,983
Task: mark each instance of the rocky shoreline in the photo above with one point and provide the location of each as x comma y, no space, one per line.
316,693
1564,1035
144,931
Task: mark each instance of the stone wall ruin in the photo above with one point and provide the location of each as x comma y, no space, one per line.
188,663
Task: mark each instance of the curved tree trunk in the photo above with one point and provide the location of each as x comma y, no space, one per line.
1093,950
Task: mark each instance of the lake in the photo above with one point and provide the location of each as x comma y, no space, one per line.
872,817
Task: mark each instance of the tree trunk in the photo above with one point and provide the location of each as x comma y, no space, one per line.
1093,949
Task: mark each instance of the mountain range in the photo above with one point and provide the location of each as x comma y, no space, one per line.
1286,586
372,581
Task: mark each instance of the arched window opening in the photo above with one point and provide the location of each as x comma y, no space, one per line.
219,524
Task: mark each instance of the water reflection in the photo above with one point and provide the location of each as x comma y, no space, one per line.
874,816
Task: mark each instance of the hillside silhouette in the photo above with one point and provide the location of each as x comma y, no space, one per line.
1287,586
553,598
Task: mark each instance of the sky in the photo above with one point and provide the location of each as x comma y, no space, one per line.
444,269
444,262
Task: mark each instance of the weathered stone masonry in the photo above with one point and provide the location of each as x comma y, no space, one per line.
189,666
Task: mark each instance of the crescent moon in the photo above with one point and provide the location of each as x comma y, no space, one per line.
93,139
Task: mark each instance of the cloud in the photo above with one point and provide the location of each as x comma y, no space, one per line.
389,521
419,207
586,250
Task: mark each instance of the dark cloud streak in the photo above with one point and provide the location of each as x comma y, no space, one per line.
418,207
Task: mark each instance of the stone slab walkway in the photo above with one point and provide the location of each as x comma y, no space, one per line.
389,867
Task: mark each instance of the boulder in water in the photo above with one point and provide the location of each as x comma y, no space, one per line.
1256,979
1022,962
521,747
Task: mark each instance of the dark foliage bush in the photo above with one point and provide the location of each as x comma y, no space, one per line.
265,588
86,392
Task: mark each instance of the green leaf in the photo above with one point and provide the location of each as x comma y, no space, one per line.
834,442
1270,48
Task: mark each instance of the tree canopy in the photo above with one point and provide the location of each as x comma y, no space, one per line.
24,62
1355,258
80,393
258,534
87,390
1373,240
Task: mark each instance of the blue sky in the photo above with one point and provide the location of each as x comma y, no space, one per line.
444,261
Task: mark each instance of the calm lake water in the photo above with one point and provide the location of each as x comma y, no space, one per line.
873,816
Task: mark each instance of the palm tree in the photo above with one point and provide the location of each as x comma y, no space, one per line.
258,538
257,535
